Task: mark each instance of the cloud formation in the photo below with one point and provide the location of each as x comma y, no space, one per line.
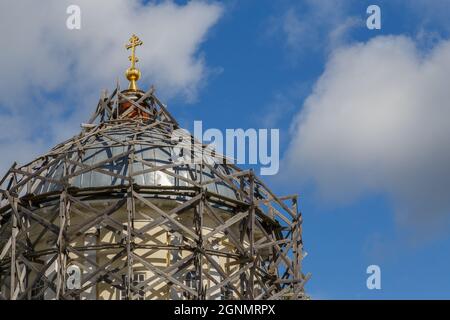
378,121
52,76
315,25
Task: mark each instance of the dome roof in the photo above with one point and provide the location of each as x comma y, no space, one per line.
107,150
128,141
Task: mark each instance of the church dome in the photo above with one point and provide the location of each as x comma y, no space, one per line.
106,148
134,208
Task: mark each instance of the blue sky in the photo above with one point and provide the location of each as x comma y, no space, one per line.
267,64
259,72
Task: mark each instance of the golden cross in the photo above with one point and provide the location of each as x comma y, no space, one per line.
133,43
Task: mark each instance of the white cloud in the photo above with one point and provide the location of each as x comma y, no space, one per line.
315,25
52,76
378,121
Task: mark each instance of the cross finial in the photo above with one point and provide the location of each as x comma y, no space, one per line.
132,73
133,43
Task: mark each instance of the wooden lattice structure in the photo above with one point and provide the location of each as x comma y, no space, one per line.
114,203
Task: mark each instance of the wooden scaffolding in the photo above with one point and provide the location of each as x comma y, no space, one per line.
264,230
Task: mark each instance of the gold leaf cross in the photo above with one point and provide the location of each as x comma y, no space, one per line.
133,43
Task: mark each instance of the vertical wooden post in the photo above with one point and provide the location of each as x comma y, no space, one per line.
14,232
130,224
60,243
251,235
198,259
294,239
